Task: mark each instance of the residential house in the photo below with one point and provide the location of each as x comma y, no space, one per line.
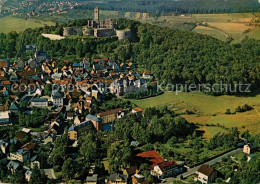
19,64
92,179
21,155
138,111
97,122
39,102
139,179
147,75
206,174
166,169
30,48
35,162
4,146
4,117
117,179
57,98
40,55
28,175
13,166
247,149
15,107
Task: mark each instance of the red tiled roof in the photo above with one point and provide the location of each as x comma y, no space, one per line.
153,157
163,166
6,82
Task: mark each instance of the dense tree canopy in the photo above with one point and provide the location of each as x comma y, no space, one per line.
172,56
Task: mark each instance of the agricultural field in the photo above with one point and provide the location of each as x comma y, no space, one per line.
239,25
210,110
211,32
11,23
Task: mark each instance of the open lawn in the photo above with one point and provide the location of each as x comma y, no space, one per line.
210,110
204,104
11,23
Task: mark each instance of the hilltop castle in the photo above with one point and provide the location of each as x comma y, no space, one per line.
98,28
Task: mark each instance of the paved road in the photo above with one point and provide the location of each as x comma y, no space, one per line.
211,162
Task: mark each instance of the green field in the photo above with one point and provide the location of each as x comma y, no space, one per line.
11,23
210,110
211,32
205,104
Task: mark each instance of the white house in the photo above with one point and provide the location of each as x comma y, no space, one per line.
4,117
166,169
206,174
21,155
247,149
57,98
28,175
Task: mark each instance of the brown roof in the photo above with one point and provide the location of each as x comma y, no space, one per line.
20,135
138,109
3,64
206,169
114,111
29,146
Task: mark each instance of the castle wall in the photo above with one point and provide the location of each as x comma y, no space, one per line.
67,31
104,32
123,34
88,31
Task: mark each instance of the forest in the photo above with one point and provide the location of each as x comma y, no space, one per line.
172,56
166,6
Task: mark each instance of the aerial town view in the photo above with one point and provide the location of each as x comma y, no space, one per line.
130,92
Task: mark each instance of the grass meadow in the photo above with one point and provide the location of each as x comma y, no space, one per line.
210,110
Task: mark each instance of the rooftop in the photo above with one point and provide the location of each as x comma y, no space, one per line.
114,111
206,170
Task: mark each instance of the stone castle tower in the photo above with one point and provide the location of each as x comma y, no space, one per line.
96,13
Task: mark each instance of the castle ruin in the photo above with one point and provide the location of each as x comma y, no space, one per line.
98,28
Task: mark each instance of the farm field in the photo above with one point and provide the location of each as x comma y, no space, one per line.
211,32
11,23
210,110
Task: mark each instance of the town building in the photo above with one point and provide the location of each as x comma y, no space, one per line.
75,131
206,174
97,122
117,179
92,179
111,116
21,155
39,102
57,98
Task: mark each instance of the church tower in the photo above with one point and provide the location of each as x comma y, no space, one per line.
96,13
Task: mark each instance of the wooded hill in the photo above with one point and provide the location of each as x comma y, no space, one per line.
172,56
